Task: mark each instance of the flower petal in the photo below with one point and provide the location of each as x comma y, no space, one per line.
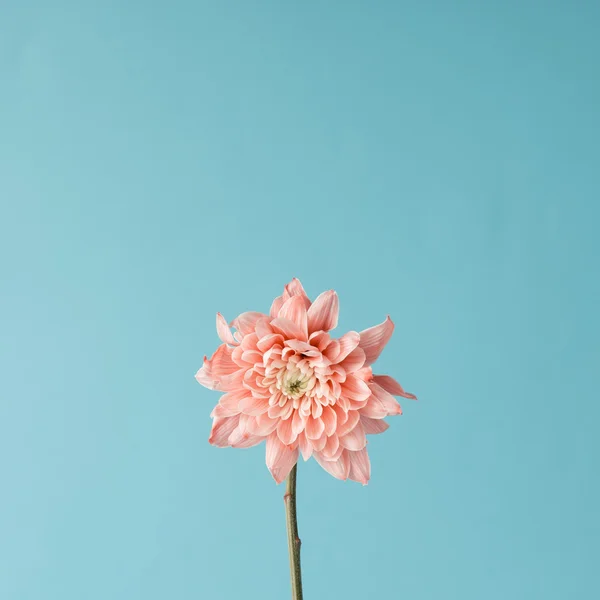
339,468
295,311
355,389
246,322
305,446
390,403
224,332
373,426
374,408
280,458
240,438
350,424
374,339
285,432
289,329
251,405
314,428
323,312
389,384
360,466
262,425
354,361
355,439
329,418
217,369
348,342
221,430
294,288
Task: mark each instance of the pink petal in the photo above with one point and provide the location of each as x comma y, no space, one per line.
366,374
319,339
277,304
228,405
389,384
253,406
262,425
230,383
289,329
224,332
374,339
360,466
339,468
280,458
350,424
355,439
242,439
294,310
221,430
348,342
323,313
246,322
217,369
329,418
319,443
305,446
298,422
263,328
294,288
331,447
373,426
355,389
285,432
374,408
314,428
390,403
303,347
267,342
354,361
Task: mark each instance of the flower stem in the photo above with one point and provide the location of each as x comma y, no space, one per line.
292,533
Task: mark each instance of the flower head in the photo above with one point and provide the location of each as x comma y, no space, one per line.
286,380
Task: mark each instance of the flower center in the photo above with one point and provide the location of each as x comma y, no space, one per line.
294,382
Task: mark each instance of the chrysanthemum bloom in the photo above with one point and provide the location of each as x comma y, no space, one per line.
287,381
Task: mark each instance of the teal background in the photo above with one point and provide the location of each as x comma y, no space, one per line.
162,161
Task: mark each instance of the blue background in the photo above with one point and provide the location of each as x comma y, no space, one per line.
163,161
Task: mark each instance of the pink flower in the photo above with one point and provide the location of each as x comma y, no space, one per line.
287,381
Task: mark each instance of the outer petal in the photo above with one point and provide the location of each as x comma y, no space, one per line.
339,468
294,288
305,446
373,426
294,309
289,329
222,428
285,432
243,439
374,408
390,403
348,342
389,384
262,425
280,458
219,368
360,466
224,332
323,313
374,339
251,405
355,439
354,361
246,322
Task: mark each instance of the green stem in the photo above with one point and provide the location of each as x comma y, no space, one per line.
292,532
